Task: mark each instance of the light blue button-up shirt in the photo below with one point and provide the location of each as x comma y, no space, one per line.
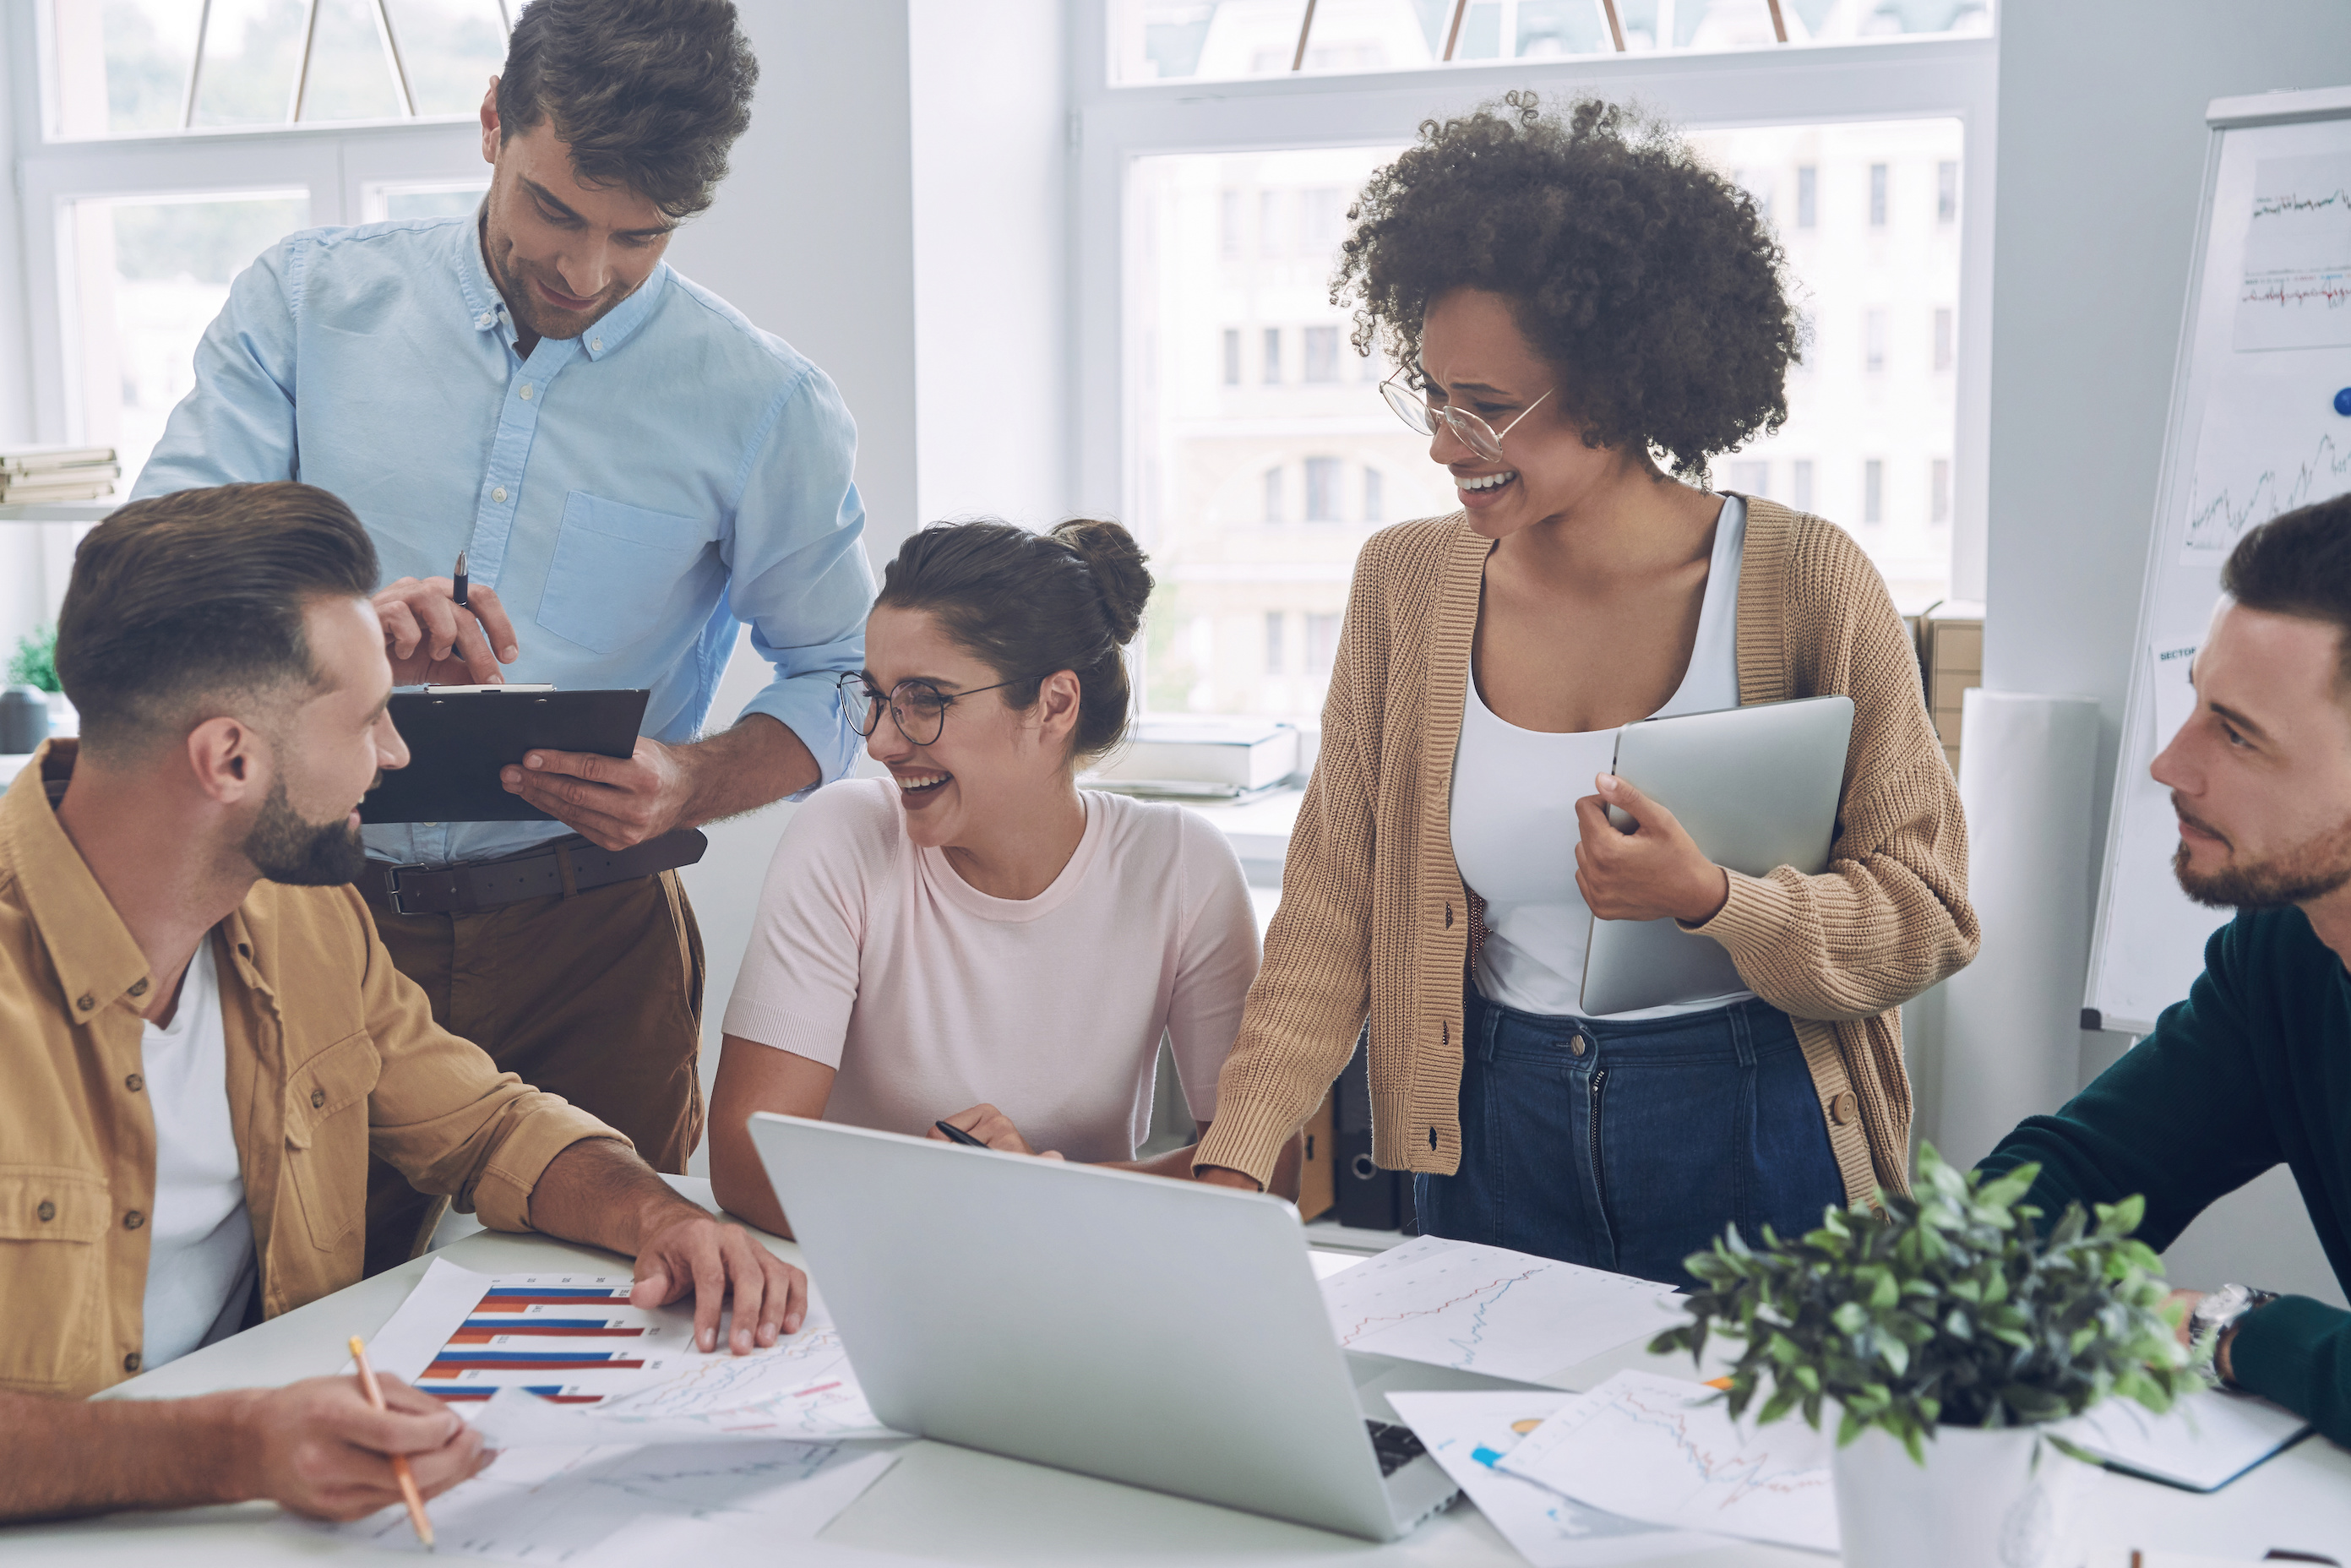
631,494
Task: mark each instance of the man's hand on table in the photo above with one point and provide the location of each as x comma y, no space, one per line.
431,639
684,1251
319,1448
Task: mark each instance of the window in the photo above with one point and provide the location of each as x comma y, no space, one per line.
1878,196
1228,225
1275,664
145,67
1268,223
1322,645
1232,356
1873,342
1939,503
380,199
1323,489
1942,338
1946,191
1201,463
1872,491
1321,356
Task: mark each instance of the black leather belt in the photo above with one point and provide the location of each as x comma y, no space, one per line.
570,865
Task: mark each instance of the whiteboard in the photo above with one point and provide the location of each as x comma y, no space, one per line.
2253,431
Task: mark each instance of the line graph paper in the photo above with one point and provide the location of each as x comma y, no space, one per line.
1659,1450
2296,289
1488,1309
2269,444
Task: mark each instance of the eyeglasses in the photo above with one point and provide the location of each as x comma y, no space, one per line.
919,707
1425,416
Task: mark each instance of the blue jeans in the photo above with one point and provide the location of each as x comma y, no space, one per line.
1628,1146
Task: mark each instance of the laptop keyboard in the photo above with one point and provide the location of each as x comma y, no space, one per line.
1395,1446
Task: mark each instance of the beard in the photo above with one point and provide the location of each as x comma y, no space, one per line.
523,302
2309,870
285,848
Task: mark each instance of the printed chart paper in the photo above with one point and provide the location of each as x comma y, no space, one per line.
1491,1309
1469,1433
2296,291
1665,1451
2171,668
2203,1443
584,1506
2268,442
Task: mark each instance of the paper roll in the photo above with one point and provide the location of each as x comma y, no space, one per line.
2012,1020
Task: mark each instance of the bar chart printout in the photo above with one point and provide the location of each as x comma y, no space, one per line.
570,1338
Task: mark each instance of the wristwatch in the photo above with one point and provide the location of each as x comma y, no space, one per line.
2214,1316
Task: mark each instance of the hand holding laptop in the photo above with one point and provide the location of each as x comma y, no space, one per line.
1646,873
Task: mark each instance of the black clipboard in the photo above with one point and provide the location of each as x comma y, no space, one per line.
460,737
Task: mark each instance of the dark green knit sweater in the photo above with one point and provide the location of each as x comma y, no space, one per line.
2252,1069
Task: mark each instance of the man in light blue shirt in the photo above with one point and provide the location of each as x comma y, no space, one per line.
631,468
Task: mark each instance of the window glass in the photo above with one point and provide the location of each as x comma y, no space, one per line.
450,50
351,66
123,65
149,277
252,48
400,199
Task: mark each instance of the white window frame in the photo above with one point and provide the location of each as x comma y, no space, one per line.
1110,126
335,164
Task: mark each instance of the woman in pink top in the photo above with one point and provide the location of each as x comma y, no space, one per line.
976,938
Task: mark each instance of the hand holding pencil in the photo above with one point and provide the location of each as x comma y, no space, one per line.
399,1470
323,1448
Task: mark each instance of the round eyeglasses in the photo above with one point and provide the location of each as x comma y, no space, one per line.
1424,417
917,708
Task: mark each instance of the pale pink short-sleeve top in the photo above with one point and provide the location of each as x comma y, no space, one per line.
873,956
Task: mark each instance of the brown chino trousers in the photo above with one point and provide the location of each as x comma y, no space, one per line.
596,997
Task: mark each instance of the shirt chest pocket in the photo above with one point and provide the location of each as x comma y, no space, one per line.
616,570
327,1137
53,1224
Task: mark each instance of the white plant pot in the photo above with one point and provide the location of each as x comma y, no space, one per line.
1983,1499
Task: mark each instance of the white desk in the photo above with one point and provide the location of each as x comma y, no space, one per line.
955,1505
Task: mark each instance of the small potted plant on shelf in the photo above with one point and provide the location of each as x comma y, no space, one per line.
1945,1337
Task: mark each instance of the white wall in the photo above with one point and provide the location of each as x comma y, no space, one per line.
2101,145
23,585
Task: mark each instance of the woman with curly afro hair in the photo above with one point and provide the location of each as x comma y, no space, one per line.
1585,314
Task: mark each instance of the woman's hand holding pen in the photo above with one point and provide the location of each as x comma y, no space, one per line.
431,639
988,1125
1654,871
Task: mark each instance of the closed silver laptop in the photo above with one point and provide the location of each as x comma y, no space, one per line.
1158,1333
1756,788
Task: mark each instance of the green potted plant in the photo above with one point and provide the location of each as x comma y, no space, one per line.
1945,1335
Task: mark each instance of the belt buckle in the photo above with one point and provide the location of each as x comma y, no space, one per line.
392,889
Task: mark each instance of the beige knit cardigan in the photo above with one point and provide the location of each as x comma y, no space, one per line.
1374,919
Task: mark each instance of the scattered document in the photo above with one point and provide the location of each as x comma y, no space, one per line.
1491,1309
1667,1452
588,1506
2296,289
1469,1433
2203,1443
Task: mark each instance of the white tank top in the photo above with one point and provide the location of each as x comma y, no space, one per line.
1513,813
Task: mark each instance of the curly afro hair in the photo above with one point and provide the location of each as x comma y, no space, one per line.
1646,277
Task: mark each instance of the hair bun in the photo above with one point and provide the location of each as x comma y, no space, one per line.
1117,564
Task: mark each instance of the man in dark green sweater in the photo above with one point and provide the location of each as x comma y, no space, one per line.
2254,1067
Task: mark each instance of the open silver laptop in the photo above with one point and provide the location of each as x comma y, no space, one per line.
1153,1331
1756,788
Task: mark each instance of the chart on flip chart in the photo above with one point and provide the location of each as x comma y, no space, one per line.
2260,424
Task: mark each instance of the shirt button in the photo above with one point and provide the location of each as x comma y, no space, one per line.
1576,1045
499,494
139,988
134,1083
132,1219
486,318
526,391
596,344
1844,1108
318,1098
131,1361
47,1211
85,1001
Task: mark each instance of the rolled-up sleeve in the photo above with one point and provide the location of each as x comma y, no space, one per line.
236,425
800,577
445,1117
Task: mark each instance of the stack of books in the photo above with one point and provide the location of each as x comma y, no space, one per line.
29,474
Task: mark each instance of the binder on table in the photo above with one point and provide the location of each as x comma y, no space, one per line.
460,737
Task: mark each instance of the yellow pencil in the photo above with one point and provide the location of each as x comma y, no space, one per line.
401,1472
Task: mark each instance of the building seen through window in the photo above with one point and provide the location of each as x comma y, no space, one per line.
1255,491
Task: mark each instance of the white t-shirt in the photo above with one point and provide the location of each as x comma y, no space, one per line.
1513,813
874,956
200,1262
